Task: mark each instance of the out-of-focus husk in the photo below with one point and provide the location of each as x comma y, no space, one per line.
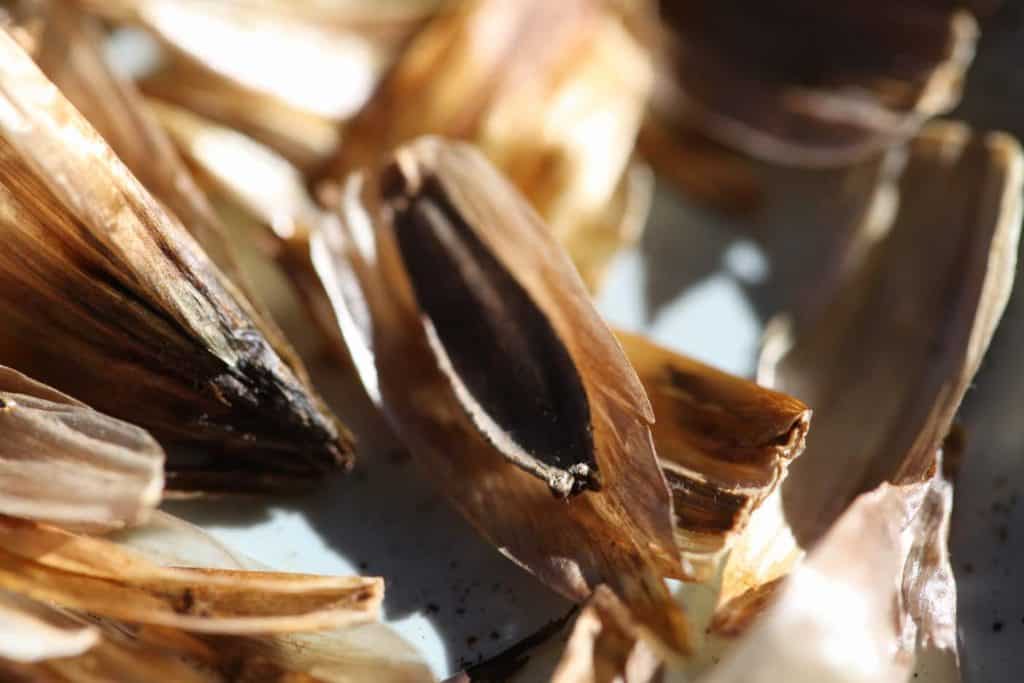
811,85
888,363
99,282
64,463
723,442
220,65
553,93
619,532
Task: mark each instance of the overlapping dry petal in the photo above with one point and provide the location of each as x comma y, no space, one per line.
107,297
64,463
553,93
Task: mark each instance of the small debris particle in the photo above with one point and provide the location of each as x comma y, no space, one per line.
363,566
471,641
460,611
968,567
1003,533
997,626
495,635
433,608
186,602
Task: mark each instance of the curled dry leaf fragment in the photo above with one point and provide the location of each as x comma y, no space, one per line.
920,321
106,296
64,463
477,399
723,442
807,83
553,93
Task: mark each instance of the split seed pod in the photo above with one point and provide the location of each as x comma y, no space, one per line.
64,463
553,93
107,297
475,332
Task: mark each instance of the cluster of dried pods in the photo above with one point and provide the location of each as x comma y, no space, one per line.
446,251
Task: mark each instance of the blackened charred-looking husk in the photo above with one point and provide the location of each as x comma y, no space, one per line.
512,373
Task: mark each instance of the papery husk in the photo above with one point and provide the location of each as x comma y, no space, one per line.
220,64
810,85
887,364
724,444
553,93
619,532
266,644
101,282
64,463
94,575
842,615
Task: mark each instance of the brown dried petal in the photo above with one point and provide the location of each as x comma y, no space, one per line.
620,534
723,442
553,93
64,463
817,86
97,281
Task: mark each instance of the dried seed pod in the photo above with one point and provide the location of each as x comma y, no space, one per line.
97,282
810,85
475,332
64,463
723,442
961,195
552,93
